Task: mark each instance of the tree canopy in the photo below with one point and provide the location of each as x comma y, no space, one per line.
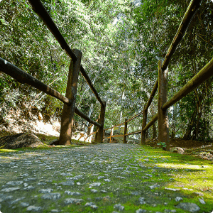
122,42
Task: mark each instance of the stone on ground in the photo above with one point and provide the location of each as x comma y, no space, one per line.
191,207
19,141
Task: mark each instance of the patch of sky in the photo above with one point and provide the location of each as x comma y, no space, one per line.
137,3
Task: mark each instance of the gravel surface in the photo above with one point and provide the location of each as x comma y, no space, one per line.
96,178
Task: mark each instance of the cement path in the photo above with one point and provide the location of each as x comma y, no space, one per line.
96,178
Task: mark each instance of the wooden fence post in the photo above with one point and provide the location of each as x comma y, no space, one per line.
163,126
125,130
143,133
103,134
71,93
100,133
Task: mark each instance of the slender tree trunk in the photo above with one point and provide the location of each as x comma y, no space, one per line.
154,125
174,113
121,113
154,131
89,115
187,135
163,124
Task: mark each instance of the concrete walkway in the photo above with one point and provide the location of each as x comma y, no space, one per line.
96,178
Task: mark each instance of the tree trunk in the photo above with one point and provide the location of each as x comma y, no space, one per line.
89,115
187,135
174,113
163,125
143,133
154,131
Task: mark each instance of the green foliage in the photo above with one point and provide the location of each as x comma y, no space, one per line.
121,47
162,144
156,25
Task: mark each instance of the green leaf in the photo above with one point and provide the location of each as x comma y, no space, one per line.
3,22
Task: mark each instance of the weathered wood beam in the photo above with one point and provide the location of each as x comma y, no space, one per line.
190,12
135,116
100,134
26,78
43,14
152,95
67,118
108,128
90,134
113,136
118,125
163,121
132,133
205,73
91,125
81,114
86,77
155,118
115,126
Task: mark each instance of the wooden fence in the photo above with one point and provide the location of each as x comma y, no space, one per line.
71,92
161,85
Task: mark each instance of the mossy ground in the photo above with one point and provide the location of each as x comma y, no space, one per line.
151,173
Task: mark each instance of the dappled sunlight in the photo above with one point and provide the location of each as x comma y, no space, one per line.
190,178
182,166
175,173
161,156
47,128
8,150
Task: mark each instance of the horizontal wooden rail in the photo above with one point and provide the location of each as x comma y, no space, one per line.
132,133
155,118
161,83
113,136
119,125
135,116
205,73
86,77
92,124
24,77
152,95
115,126
81,114
107,129
91,134
191,10
43,14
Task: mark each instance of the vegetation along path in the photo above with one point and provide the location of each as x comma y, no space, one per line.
104,178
